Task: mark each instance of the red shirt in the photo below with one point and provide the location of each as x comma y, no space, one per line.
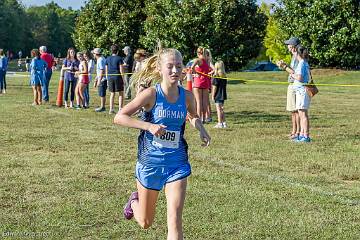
48,58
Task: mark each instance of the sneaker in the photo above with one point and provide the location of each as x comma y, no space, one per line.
219,125
224,125
128,212
77,107
304,139
295,137
112,111
100,109
208,120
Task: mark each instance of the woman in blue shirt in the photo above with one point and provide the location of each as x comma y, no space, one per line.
37,75
302,102
162,149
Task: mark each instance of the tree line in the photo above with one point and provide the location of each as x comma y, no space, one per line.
27,28
235,30
232,29
329,28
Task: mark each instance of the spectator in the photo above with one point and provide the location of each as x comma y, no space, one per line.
202,82
128,66
91,66
219,94
100,81
113,68
27,63
83,81
301,77
70,66
139,58
49,59
3,69
37,75
292,43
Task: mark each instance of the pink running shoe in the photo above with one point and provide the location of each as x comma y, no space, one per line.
128,212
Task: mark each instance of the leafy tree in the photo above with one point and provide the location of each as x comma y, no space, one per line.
52,26
274,38
13,32
232,29
239,31
330,28
178,24
102,23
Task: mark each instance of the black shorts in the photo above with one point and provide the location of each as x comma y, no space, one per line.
116,84
219,101
102,89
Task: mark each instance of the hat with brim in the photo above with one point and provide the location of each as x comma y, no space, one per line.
126,48
293,41
97,51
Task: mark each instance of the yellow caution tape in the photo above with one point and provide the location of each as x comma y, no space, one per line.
284,83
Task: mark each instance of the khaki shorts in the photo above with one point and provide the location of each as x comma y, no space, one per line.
291,99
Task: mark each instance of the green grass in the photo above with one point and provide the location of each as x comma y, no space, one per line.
66,174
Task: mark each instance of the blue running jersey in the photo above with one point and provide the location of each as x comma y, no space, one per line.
170,149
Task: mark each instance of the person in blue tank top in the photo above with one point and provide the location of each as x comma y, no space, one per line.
162,150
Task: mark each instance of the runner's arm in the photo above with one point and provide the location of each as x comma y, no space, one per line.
145,99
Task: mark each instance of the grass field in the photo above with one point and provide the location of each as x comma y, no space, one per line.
66,174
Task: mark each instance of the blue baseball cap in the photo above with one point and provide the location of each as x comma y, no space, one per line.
293,41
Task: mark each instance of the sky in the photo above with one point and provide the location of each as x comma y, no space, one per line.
76,4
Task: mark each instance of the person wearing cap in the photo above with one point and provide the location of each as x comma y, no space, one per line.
292,43
114,69
100,81
49,59
127,66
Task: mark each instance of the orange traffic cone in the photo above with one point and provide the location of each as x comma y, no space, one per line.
189,83
59,100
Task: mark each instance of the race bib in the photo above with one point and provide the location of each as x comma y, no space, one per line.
168,140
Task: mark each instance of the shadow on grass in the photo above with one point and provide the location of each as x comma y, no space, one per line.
255,116
234,82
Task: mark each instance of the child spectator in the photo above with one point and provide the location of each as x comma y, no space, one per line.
219,92
91,66
83,81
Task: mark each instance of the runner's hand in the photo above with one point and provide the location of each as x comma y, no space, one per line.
205,138
157,129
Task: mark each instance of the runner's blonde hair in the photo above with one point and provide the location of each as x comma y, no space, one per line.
150,73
